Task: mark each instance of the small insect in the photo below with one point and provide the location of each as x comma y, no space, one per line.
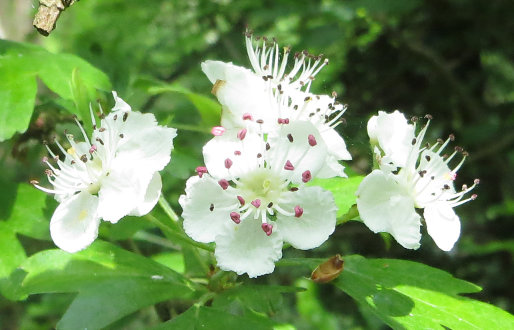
329,270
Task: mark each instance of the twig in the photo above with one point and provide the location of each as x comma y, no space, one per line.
48,13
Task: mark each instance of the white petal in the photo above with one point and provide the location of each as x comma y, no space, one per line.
74,225
202,195
385,206
393,134
317,222
226,146
245,248
335,144
144,143
301,155
122,190
443,225
331,168
153,192
119,104
241,91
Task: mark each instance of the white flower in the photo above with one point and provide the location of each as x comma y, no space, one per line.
253,197
267,97
414,176
108,177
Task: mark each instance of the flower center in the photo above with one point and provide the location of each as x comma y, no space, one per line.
261,184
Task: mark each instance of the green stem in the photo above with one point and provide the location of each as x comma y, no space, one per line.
167,209
174,235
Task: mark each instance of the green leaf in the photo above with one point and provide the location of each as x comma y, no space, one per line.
209,109
214,319
28,216
122,281
342,189
412,295
311,309
257,298
20,64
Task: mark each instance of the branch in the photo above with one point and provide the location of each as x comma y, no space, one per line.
48,13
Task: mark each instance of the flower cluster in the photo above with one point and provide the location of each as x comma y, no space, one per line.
275,136
411,175
114,174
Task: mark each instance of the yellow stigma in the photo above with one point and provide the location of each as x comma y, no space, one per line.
71,151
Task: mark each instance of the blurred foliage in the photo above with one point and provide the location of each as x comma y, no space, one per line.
452,59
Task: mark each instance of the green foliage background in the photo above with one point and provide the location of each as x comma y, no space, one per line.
452,59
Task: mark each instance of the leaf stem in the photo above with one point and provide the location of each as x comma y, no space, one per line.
167,209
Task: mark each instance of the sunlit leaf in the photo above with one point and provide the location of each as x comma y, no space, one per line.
342,189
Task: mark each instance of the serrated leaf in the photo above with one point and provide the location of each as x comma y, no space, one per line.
122,281
214,319
343,190
415,296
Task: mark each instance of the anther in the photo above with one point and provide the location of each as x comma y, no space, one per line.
201,170
306,176
92,149
307,99
459,149
125,116
259,155
237,152
256,203
44,159
428,116
451,137
413,141
247,116
34,182
427,157
223,184
465,153
268,228
294,189
49,172
270,204
228,163
241,200
476,181
414,119
102,129
218,130
241,134
211,208
83,158
115,117
259,121
290,137
312,140
236,217
298,211
122,136
100,140
295,107
288,166
474,196
446,187
267,146
440,141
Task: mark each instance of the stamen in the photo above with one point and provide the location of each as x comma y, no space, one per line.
218,130
201,170
228,163
241,200
236,217
288,166
223,184
306,176
267,228
298,211
241,134
256,203
312,140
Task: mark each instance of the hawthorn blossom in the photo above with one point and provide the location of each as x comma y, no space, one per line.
108,177
411,175
250,197
269,96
